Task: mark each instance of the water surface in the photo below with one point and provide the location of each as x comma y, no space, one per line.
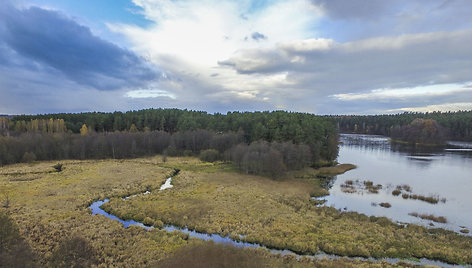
442,172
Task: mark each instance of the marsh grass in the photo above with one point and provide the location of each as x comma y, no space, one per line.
350,186
280,215
409,195
428,199
396,192
207,197
336,170
430,217
54,206
212,255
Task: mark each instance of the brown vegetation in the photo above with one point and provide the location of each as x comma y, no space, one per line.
350,186
430,217
209,255
278,214
409,195
14,250
74,252
336,170
209,197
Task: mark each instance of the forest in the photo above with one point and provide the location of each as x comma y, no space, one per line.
457,125
256,142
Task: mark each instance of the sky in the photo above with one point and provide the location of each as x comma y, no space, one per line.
315,56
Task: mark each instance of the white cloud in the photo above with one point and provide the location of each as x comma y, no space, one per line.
148,93
406,93
189,38
407,61
453,107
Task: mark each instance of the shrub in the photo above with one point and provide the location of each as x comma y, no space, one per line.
58,167
385,205
396,192
74,252
14,251
210,155
28,157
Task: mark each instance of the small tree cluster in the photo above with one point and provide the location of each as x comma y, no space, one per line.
425,131
271,159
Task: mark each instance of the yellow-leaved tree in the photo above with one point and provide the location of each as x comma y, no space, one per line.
84,130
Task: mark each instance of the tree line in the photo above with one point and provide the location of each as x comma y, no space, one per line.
457,125
269,126
258,143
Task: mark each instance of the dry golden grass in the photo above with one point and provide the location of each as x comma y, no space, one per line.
51,206
338,169
55,206
430,217
208,255
279,214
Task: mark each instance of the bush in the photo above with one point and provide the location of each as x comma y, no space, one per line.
28,157
396,192
209,155
74,252
14,251
58,167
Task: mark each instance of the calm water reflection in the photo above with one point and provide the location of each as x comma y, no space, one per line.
444,172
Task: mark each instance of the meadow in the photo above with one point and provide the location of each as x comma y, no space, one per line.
50,208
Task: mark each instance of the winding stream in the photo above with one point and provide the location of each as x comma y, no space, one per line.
97,210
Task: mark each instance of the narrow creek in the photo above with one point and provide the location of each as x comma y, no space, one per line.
97,210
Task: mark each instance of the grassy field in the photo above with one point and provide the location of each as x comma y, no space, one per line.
49,207
212,199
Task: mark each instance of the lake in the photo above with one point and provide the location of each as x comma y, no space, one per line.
442,173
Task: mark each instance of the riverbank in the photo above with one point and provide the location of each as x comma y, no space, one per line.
439,145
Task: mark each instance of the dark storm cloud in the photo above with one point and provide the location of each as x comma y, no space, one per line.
53,40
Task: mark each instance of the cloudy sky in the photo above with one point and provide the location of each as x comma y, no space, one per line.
317,56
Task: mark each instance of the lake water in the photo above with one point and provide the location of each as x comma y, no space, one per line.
445,173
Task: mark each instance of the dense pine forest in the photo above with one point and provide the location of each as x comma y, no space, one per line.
457,125
256,142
